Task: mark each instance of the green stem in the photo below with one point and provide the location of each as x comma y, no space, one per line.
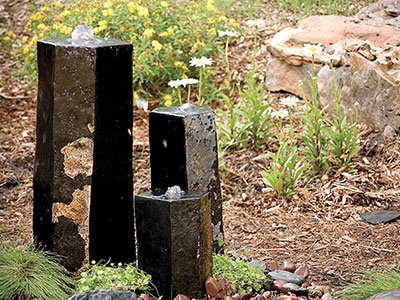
188,96
200,86
227,61
179,96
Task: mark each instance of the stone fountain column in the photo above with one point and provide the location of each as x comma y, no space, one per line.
83,161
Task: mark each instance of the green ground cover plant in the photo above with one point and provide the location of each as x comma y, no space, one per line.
370,283
116,277
27,273
239,273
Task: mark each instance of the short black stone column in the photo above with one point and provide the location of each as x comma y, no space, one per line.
175,243
83,162
183,152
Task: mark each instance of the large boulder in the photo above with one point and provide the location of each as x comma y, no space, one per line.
368,71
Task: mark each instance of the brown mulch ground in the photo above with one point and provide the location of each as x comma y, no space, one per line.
320,226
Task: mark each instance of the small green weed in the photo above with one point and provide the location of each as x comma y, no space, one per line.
27,273
370,283
238,272
116,277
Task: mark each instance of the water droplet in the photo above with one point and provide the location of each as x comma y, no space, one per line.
82,34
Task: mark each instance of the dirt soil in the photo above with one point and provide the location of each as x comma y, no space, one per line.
320,226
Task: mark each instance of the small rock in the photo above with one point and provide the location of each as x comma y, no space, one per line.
389,131
266,294
288,276
259,297
258,264
236,296
214,288
286,297
326,296
278,285
306,285
144,296
181,297
273,265
381,216
390,295
228,298
303,271
105,294
289,266
246,297
291,286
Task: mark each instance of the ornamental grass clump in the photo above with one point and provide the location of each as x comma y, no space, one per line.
370,283
27,273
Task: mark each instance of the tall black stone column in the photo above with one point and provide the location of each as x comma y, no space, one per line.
183,152
83,161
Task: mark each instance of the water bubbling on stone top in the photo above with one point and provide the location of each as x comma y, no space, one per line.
82,34
173,192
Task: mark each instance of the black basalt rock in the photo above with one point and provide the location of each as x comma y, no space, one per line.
174,242
183,152
83,159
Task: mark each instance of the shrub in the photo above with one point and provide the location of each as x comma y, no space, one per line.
165,34
26,273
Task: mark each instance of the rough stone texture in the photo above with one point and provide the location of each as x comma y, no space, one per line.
105,295
84,114
183,152
390,295
175,243
368,71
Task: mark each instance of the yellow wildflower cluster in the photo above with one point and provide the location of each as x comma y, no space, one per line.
156,45
168,100
8,36
141,11
210,6
168,32
148,32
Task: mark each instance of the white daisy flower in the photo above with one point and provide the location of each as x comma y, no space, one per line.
255,23
201,62
280,114
187,81
228,33
142,104
289,101
313,49
175,83
328,58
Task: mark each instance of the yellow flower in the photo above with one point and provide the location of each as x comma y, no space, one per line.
142,11
97,30
170,30
41,27
168,102
196,46
164,34
57,4
107,12
9,33
212,31
7,39
222,19
135,95
148,32
108,4
132,7
164,4
65,13
234,23
45,9
24,39
25,50
210,5
156,45
102,23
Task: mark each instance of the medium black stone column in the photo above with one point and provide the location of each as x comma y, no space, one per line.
175,243
183,152
83,161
